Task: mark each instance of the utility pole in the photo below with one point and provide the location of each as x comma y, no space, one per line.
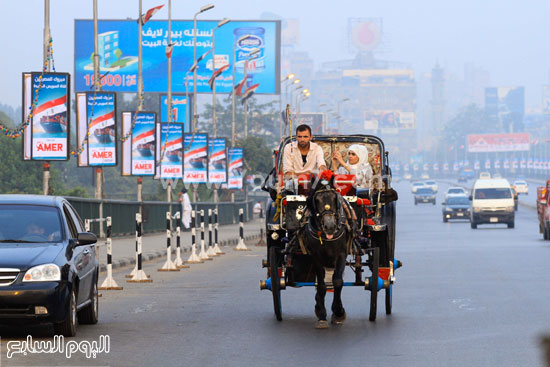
97,88
47,36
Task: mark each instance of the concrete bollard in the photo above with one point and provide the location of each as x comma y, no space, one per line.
194,259
139,275
168,265
241,246
109,282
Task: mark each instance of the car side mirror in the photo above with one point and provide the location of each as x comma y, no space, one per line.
86,238
470,197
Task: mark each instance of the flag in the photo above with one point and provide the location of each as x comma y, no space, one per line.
169,50
145,17
196,64
239,88
249,92
216,74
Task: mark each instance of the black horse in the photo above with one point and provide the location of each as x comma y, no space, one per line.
327,238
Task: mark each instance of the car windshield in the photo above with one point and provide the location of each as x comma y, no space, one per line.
458,201
455,191
430,182
425,191
520,183
29,224
418,184
493,193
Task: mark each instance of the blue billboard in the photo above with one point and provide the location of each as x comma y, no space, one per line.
118,54
170,151
101,122
195,158
143,144
236,167
217,164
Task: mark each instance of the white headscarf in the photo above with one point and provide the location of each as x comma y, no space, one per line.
361,152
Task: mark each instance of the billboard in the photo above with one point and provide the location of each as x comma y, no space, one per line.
364,34
143,143
47,135
506,105
181,111
317,121
169,151
96,129
118,52
389,119
483,143
195,158
217,164
236,167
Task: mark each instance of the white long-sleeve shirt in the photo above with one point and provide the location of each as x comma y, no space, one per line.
292,159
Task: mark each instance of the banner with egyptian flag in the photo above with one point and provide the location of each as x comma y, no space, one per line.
169,49
169,151
239,88
249,92
149,14
195,158
101,128
235,180
216,74
217,162
143,143
49,128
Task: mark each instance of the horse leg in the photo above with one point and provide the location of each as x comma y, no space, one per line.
320,309
338,311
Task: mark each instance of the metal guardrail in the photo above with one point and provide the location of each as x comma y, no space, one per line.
153,213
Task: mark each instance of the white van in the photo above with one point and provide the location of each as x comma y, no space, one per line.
492,202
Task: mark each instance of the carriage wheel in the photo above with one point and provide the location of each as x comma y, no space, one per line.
274,260
374,283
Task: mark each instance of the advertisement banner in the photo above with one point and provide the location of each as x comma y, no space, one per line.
497,163
217,164
317,121
50,122
483,143
446,166
169,151
506,164
195,158
487,164
143,144
406,167
388,119
515,163
455,166
523,163
181,113
425,167
101,126
236,166
530,163
118,52
436,167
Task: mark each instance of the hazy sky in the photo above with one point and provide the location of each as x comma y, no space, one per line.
508,38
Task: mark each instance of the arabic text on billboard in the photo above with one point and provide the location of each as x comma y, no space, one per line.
118,50
217,163
180,110
101,115
170,150
195,158
143,144
235,180
480,143
50,121
389,119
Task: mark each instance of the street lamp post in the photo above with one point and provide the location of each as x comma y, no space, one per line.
233,93
288,77
201,10
252,55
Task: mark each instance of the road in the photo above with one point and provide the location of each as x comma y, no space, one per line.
463,298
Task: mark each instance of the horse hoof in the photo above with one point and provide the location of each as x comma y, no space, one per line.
338,320
321,324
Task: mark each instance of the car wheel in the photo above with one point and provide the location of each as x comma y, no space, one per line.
473,224
89,314
511,225
68,326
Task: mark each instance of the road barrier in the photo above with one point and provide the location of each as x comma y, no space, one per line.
210,252
216,247
178,262
152,213
194,259
241,246
138,275
203,255
168,265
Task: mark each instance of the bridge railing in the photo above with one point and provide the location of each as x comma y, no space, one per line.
153,213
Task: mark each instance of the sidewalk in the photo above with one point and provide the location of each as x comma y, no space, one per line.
154,245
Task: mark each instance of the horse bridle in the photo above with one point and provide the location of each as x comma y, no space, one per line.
326,210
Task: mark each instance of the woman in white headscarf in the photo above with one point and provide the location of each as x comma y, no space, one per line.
357,164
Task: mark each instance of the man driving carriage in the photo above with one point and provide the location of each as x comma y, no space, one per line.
303,156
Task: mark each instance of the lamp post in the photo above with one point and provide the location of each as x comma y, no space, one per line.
295,90
233,93
338,112
201,10
287,87
288,77
252,55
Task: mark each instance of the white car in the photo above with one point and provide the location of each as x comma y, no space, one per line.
521,187
407,176
416,185
425,176
432,184
455,190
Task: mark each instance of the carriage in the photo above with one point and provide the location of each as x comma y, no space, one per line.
288,263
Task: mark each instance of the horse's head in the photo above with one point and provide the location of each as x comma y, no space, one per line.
326,210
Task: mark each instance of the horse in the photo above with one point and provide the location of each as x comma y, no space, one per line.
327,237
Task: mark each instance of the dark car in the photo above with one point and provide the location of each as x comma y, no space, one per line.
424,195
48,267
456,207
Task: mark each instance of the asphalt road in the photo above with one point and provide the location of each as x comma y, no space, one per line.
463,298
